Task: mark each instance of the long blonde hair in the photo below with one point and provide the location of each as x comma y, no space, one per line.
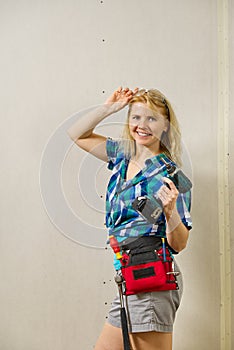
170,143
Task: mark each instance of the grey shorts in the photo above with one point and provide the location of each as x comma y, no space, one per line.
147,312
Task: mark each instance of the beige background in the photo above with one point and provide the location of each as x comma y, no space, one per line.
231,173
59,58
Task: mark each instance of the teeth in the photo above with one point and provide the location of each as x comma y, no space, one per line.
142,134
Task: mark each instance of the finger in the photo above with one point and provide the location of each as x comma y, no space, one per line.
119,89
166,189
170,183
163,192
167,202
129,93
164,199
167,194
135,90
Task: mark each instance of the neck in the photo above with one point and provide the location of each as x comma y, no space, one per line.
143,153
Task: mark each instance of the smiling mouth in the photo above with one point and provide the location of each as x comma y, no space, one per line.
143,134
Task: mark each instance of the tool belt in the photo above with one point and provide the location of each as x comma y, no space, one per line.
147,265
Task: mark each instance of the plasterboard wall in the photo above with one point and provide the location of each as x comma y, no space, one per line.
59,58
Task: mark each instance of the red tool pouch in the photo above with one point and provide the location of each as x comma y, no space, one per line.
146,269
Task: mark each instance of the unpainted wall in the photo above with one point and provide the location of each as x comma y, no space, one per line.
57,60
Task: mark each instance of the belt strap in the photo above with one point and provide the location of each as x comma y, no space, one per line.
141,242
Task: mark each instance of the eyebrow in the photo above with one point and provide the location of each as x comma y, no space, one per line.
147,116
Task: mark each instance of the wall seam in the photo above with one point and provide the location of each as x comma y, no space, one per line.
223,174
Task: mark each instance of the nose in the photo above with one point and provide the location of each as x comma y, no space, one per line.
142,123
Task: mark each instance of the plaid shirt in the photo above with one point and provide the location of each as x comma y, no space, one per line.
121,219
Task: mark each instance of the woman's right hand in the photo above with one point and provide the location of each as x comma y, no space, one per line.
82,131
120,98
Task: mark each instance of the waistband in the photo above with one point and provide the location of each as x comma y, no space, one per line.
141,242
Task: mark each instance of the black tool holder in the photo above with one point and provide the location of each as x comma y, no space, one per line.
126,341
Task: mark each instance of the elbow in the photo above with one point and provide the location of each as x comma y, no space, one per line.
69,133
178,239
77,136
178,244
74,138
179,247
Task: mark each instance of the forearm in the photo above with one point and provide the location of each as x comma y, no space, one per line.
176,232
84,126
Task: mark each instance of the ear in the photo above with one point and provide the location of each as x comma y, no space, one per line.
167,124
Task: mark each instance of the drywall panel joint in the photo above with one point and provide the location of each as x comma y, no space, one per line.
223,174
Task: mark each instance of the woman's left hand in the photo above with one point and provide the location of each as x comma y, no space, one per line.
168,195
176,232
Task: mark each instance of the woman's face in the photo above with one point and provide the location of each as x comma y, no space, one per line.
146,125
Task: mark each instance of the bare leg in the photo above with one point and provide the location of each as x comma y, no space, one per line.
151,341
110,338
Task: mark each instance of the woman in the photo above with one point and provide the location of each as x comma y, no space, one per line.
151,137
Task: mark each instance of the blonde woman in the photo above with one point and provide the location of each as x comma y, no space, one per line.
151,139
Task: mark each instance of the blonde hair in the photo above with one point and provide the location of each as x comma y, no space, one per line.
170,143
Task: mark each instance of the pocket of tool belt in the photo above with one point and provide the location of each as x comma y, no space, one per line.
145,270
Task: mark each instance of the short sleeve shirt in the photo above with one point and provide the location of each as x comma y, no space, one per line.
121,219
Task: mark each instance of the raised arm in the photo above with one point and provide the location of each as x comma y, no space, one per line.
82,131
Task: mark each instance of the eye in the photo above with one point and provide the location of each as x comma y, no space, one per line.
135,117
152,119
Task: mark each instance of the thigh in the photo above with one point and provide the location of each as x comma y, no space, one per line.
110,338
151,341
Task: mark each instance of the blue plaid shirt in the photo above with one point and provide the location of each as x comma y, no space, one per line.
121,219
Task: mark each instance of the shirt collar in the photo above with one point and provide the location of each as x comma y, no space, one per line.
157,160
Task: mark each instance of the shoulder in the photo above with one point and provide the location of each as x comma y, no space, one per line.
115,152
